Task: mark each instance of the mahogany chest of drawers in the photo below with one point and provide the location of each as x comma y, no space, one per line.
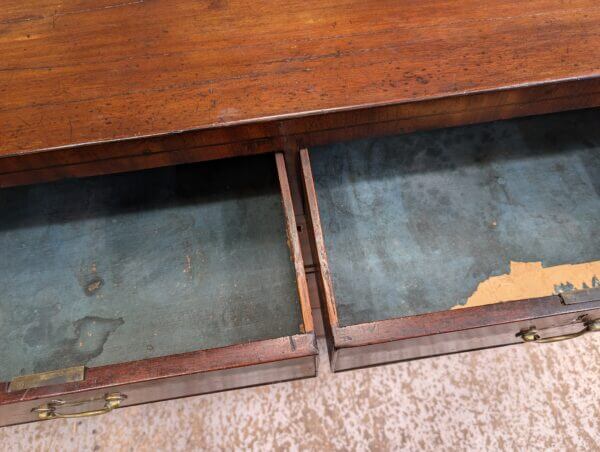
191,191
144,286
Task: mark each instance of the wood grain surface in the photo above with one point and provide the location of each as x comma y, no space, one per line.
163,378
195,80
445,332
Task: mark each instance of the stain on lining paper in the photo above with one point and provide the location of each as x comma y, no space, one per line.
90,335
531,280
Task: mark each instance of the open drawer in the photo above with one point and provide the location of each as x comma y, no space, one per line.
425,241
125,289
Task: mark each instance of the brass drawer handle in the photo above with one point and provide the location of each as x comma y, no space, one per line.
532,335
49,410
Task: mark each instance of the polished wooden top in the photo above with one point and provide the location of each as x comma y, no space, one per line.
93,71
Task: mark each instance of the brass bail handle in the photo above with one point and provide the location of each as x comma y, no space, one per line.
532,335
50,410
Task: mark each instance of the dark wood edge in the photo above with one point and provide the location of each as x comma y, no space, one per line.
235,356
23,416
300,130
314,220
294,244
337,369
465,340
442,322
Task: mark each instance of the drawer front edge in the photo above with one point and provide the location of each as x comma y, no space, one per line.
456,331
175,376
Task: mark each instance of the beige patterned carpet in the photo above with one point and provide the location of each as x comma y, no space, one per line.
536,397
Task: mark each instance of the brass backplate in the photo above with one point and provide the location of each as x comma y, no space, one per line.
53,377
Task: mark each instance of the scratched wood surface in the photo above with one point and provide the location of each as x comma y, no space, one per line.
423,222
92,71
121,268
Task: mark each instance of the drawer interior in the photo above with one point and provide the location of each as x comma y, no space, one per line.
475,215
126,267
